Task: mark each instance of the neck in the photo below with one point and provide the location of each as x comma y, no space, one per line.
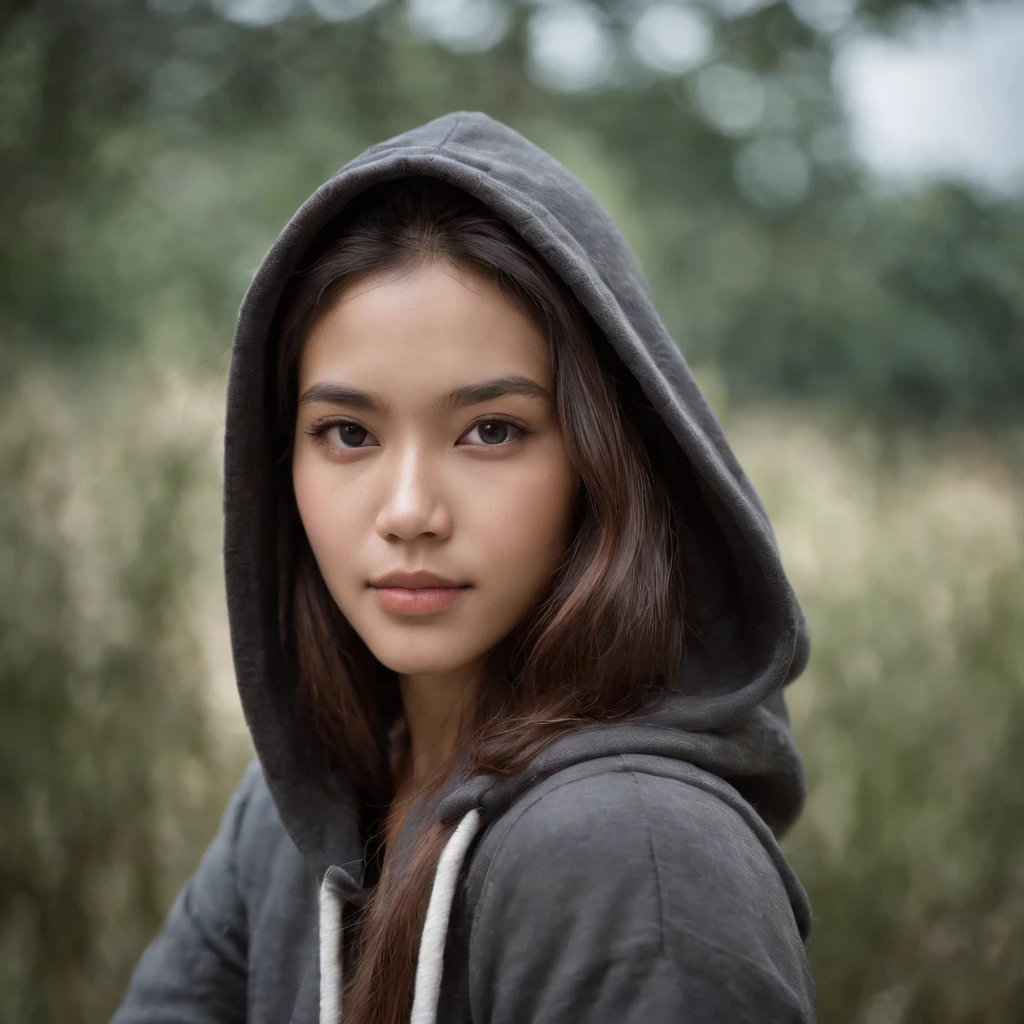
436,707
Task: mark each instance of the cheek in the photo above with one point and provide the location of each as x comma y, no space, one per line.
527,523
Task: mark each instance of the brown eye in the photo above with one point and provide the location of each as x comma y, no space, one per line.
349,435
495,433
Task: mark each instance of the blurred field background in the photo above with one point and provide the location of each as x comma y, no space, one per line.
860,335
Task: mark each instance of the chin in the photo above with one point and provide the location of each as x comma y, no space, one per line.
416,655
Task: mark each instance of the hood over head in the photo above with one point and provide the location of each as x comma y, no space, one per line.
727,713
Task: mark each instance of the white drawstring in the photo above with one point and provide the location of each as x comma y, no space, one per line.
330,953
430,965
427,991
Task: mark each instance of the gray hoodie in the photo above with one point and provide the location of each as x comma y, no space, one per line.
631,874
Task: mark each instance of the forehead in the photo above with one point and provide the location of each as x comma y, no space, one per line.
422,331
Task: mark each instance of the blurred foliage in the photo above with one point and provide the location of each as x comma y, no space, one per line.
149,154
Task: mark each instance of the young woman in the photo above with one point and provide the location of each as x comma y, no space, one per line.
510,629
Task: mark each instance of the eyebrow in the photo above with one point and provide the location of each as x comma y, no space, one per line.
470,394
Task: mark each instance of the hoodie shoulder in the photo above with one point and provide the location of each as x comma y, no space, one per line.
262,846
649,881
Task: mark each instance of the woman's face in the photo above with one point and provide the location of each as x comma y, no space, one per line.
427,439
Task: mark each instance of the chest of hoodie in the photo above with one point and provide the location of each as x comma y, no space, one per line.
285,913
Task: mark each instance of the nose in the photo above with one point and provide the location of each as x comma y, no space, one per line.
412,505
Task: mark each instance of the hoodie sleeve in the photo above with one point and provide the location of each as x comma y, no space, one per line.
194,971
633,898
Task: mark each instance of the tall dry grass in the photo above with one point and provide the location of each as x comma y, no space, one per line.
908,555
112,770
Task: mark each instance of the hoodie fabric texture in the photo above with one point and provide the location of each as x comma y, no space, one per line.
631,874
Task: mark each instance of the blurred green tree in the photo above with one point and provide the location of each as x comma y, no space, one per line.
149,152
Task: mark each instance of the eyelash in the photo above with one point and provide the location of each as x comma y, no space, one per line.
318,428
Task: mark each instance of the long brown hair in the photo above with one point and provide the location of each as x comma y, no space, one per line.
607,634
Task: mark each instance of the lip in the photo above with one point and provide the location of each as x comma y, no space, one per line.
417,600
421,579
416,593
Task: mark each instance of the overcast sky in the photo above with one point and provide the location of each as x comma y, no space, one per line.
945,96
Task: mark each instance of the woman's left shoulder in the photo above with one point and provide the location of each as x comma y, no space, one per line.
633,890
646,813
